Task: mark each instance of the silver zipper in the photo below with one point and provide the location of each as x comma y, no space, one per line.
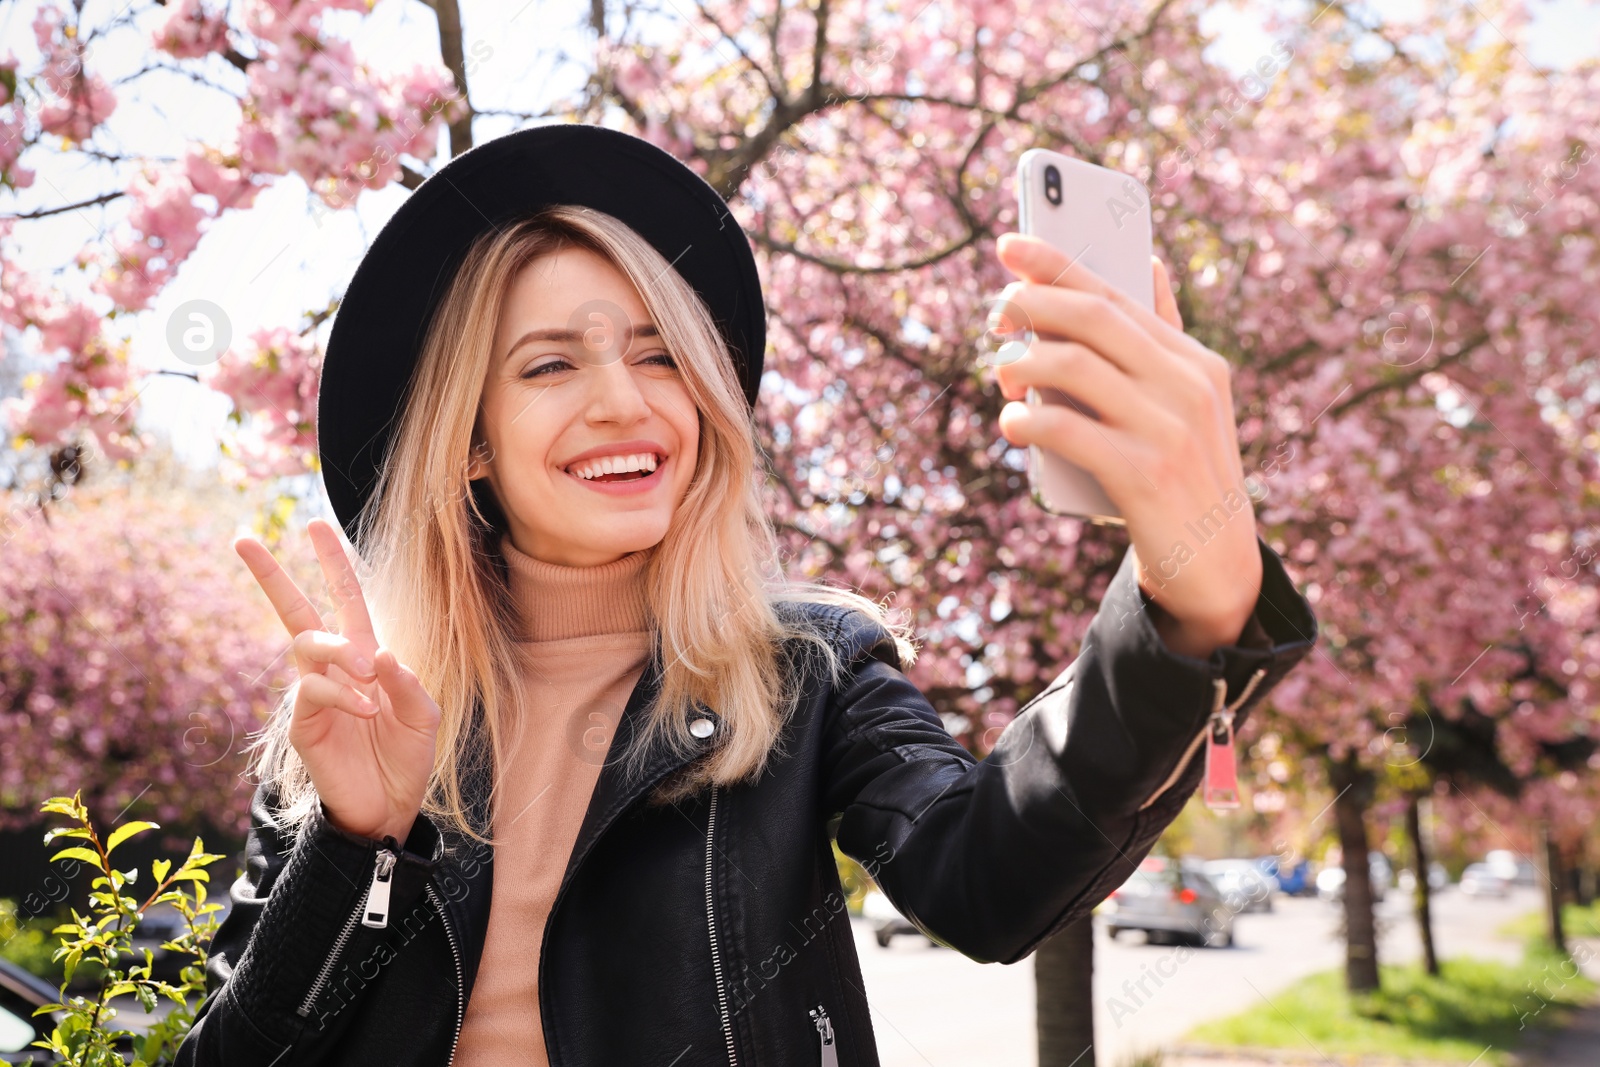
829,1050
1219,714
455,956
377,896
376,913
711,924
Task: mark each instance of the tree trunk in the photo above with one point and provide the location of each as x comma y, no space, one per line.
1063,979
1355,786
1550,868
1422,897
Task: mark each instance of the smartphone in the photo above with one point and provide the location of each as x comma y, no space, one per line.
1101,218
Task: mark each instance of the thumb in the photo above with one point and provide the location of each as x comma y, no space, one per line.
412,704
1166,302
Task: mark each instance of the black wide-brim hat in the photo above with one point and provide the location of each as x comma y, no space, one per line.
384,315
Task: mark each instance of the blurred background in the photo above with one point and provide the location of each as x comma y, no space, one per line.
1385,215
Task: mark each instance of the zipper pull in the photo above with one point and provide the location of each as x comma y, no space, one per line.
1221,791
376,914
830,1051
1222,769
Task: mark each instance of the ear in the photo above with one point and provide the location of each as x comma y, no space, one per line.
478,461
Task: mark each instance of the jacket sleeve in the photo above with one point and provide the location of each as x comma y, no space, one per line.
991,857
294,920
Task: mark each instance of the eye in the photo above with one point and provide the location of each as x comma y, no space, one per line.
541,368
668,361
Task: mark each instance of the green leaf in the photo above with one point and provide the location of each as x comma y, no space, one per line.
66,831
71,806
159,869
78,852
127,830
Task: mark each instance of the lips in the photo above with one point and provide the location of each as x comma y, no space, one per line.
625,487
573,467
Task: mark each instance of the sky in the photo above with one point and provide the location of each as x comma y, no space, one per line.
281,259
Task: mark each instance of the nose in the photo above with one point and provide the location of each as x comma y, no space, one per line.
614,394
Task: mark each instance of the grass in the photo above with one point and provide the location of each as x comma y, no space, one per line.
1577,920
1152,1058
1471,1005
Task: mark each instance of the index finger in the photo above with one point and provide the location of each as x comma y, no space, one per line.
1040,261
354,622
296,612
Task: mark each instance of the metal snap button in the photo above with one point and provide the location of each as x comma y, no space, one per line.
702,727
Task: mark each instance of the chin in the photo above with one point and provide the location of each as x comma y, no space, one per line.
617,542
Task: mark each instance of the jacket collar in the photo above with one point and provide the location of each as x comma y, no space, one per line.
614,792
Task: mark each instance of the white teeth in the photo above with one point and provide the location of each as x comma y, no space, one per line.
643,461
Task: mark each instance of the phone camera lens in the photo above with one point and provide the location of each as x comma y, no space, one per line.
1052,184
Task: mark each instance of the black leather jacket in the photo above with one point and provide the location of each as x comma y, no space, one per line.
714,931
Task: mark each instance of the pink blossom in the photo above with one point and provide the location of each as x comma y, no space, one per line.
138,654
191,29
83,100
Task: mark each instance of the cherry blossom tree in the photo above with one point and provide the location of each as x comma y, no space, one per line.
1390,227
307,105
134,658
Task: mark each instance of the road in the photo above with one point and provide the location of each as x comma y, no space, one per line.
933,1007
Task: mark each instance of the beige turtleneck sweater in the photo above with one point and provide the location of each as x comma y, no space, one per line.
588,638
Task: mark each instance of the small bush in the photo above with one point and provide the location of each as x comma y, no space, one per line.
85,1035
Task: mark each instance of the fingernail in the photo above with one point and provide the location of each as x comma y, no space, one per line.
363,665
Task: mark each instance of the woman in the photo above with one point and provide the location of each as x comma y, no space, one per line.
563,794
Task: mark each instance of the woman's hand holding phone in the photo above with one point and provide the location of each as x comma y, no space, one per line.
362,722
1166,448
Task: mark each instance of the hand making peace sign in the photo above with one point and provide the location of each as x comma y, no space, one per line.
362,722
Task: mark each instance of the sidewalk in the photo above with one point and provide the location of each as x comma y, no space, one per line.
1576,1044
1183,1057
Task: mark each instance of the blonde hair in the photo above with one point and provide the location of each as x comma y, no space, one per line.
437,580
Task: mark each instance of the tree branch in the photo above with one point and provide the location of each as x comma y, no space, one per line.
448,15
104,198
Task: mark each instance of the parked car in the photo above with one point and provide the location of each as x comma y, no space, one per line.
1294,879
1515,869
1244,886
1482,880
21,994
1438,878
1169,902
1330,880
886,920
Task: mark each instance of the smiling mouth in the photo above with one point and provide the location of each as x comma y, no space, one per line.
657,460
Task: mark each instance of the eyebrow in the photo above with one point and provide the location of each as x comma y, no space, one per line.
554,333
